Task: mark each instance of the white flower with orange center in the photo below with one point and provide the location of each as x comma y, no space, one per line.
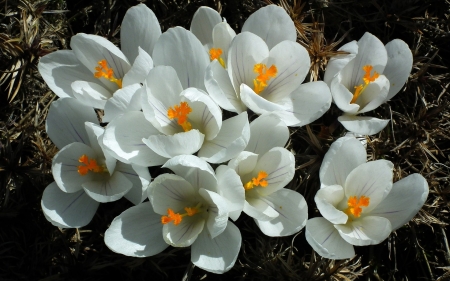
265,69
358,201
371,74
95,69
85,175
190,208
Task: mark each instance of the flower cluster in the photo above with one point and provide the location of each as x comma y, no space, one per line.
160,100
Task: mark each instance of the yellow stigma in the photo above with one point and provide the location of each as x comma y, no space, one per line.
214,54
257,181
181,112
104,71
367,79
176,218
265,74
354,205
89,165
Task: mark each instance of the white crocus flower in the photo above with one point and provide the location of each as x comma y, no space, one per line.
85,175
265,168
175,122
368,76
265,71
95,69
359,204
190,208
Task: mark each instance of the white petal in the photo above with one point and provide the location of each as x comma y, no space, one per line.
67,210
344,155
398,66
337,63
257,103
266,132
140,177
244,163
59,69
326,241
327,200
293,213
363,125
309,102
109,190
123,100
217,212
91,93
374,95
139,70
178,144
364,231
223,34
180,49
65,122
404,201
217,255
96,133
271,23
185,233
231,140
230,187
372,179
136,232
126,141
140,28
259,209
195,170
203,22
342,96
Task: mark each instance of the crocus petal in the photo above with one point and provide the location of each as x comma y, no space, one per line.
60,69
326,241
266,132
246,50
139,70
140,178
185,233
363,125
65,167
259,209
140,29
370,230
272,24
257,103
91,93
217,212
230,187
203,22
293,213
372,179
309,102
217,255
374,95
342,96
126,141
171,191
123,100
244,163
223,34
337,63
398,66
111,189
193,169
404,201
180,49
327,199
220,88
67,210
231,140
136,232
65,122
96,133
346,150
178,144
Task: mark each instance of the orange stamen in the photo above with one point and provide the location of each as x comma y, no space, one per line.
355,204
265,74
108,73
89,165
177,217
257,181
367,79
214,54
181,112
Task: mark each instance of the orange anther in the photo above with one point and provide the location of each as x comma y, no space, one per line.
367,79
214,54
265,74
108,73
257,181
89,165
181,112
177,217
354,205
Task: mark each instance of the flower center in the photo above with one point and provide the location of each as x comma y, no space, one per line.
354,205
104,71
257,181
181,112
176,218
367,79
89,165
214,54
265,74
